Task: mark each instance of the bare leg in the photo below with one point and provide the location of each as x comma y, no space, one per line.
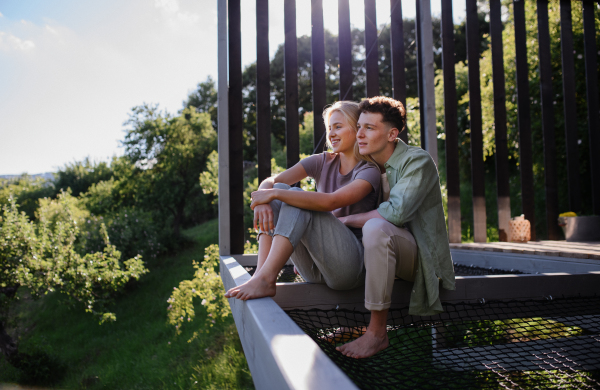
264,247
263,282
374,340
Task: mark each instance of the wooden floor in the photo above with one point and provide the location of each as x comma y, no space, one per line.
578,250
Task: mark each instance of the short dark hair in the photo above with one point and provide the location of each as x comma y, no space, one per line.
392,110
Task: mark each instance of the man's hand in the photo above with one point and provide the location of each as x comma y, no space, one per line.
343,219
263,218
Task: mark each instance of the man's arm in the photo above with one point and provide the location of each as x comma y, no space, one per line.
358,220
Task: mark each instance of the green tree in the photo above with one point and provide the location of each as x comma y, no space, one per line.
43,258
165,155
79,176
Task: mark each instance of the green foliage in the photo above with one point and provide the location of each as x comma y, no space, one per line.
26,191
205,285
209,178
79,176
204,99
43,258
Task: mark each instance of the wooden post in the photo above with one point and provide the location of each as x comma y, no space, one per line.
345,50
236,128
451,124
570,109
397,50
371,49
263,91
591,76
547,98
427,97
292,140
503,189
223,131
318,73
523,116
477,170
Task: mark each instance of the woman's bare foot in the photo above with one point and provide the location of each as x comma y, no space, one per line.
365,346
257,287
345,334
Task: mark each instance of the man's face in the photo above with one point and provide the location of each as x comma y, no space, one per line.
373,135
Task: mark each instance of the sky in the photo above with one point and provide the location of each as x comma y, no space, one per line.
70,71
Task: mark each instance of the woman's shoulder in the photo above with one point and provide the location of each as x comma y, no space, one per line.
366,165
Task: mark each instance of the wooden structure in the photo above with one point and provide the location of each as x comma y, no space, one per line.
279,354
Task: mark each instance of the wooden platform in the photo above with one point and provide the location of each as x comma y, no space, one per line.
573,250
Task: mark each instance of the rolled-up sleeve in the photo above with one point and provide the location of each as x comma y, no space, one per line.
417,178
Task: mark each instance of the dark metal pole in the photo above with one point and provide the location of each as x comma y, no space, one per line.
371,49
263,91
524,116
345,50
236,128
290,53
318,73
451,123
477,171
546,97
397,50
503,190
570,109
420,74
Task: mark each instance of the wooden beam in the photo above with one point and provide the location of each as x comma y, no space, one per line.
397,49
290,65
547,98
345,50
319,98
502,181
371,49
236,129
477,168
569,106
591,77
223,131
280,355
451,124
263,91
427,76
524,116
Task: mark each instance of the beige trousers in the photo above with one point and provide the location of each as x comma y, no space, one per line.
390,252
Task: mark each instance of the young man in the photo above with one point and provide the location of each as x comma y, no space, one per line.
406,235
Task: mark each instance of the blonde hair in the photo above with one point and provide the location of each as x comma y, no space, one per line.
351,112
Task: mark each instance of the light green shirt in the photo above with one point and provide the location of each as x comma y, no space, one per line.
416,201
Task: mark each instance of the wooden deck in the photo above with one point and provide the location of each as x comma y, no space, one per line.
572,250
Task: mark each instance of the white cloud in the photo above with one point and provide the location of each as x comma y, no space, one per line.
10,42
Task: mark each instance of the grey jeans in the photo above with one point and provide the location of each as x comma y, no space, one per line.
325,250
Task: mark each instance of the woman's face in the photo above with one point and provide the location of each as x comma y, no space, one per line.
341,136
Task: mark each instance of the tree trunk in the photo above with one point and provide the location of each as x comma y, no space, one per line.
7,345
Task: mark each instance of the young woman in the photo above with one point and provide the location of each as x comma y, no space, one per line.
304,226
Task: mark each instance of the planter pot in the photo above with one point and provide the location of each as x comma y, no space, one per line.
580,228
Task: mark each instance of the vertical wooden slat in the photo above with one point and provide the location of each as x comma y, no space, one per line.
451,123
427,79
236,127
223,130
292,138
263,91
477,170
570,109
502,183
371,48
397,50
318,73
345,50
591,76
546,97
524,116
420,72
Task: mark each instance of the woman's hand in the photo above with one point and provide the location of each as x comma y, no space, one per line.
262,197
263,218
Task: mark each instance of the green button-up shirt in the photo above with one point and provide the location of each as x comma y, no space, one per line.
416,201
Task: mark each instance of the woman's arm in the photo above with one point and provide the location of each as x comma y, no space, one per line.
263,214
317,201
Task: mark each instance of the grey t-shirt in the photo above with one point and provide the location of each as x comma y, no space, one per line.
325,169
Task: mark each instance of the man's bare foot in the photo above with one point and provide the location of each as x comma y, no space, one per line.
365,346
345,334
257,287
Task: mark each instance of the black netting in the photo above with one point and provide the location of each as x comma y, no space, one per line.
287,274
550,343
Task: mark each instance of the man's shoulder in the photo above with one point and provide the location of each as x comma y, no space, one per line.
412,155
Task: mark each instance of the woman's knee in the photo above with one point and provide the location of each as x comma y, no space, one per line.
281,186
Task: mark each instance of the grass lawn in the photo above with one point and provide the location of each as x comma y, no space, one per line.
139,350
